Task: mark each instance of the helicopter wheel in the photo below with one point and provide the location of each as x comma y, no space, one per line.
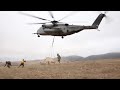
38,35
62,37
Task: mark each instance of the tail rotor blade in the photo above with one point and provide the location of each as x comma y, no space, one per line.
102,12
105,12
108,19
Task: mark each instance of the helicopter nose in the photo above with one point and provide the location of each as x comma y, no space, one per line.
40,30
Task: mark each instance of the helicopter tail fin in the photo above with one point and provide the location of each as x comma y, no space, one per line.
97,22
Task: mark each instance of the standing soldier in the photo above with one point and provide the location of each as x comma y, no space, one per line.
59,57
8,64
22,63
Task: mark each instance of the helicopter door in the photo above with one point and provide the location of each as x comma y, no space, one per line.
65,30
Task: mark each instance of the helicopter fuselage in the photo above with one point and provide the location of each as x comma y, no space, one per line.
59,30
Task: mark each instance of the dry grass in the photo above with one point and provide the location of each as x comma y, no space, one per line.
100,69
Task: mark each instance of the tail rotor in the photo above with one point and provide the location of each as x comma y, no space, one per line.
108,19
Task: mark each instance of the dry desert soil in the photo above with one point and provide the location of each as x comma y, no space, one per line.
89,69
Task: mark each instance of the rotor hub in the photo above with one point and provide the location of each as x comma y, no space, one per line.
54,22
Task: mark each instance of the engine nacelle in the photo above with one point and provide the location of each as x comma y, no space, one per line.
47,26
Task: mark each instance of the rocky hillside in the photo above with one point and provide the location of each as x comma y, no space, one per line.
104,56
93,57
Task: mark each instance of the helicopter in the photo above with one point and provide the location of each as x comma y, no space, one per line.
57,28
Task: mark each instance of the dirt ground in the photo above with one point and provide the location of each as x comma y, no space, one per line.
90,69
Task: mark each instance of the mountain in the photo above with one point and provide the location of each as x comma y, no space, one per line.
72,58
104,56
93,57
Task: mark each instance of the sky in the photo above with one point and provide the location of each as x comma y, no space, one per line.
17,40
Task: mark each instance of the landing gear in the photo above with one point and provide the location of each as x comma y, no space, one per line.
38,35
62,37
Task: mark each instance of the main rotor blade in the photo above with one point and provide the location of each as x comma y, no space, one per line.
36,23
68,15
51,14
34,16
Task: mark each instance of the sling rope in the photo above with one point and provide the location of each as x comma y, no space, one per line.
52,48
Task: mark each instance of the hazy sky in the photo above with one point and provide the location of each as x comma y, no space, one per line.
17,40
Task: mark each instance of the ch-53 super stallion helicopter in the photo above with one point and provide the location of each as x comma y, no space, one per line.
57,28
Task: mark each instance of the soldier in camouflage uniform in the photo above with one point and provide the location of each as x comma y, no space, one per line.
59,57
